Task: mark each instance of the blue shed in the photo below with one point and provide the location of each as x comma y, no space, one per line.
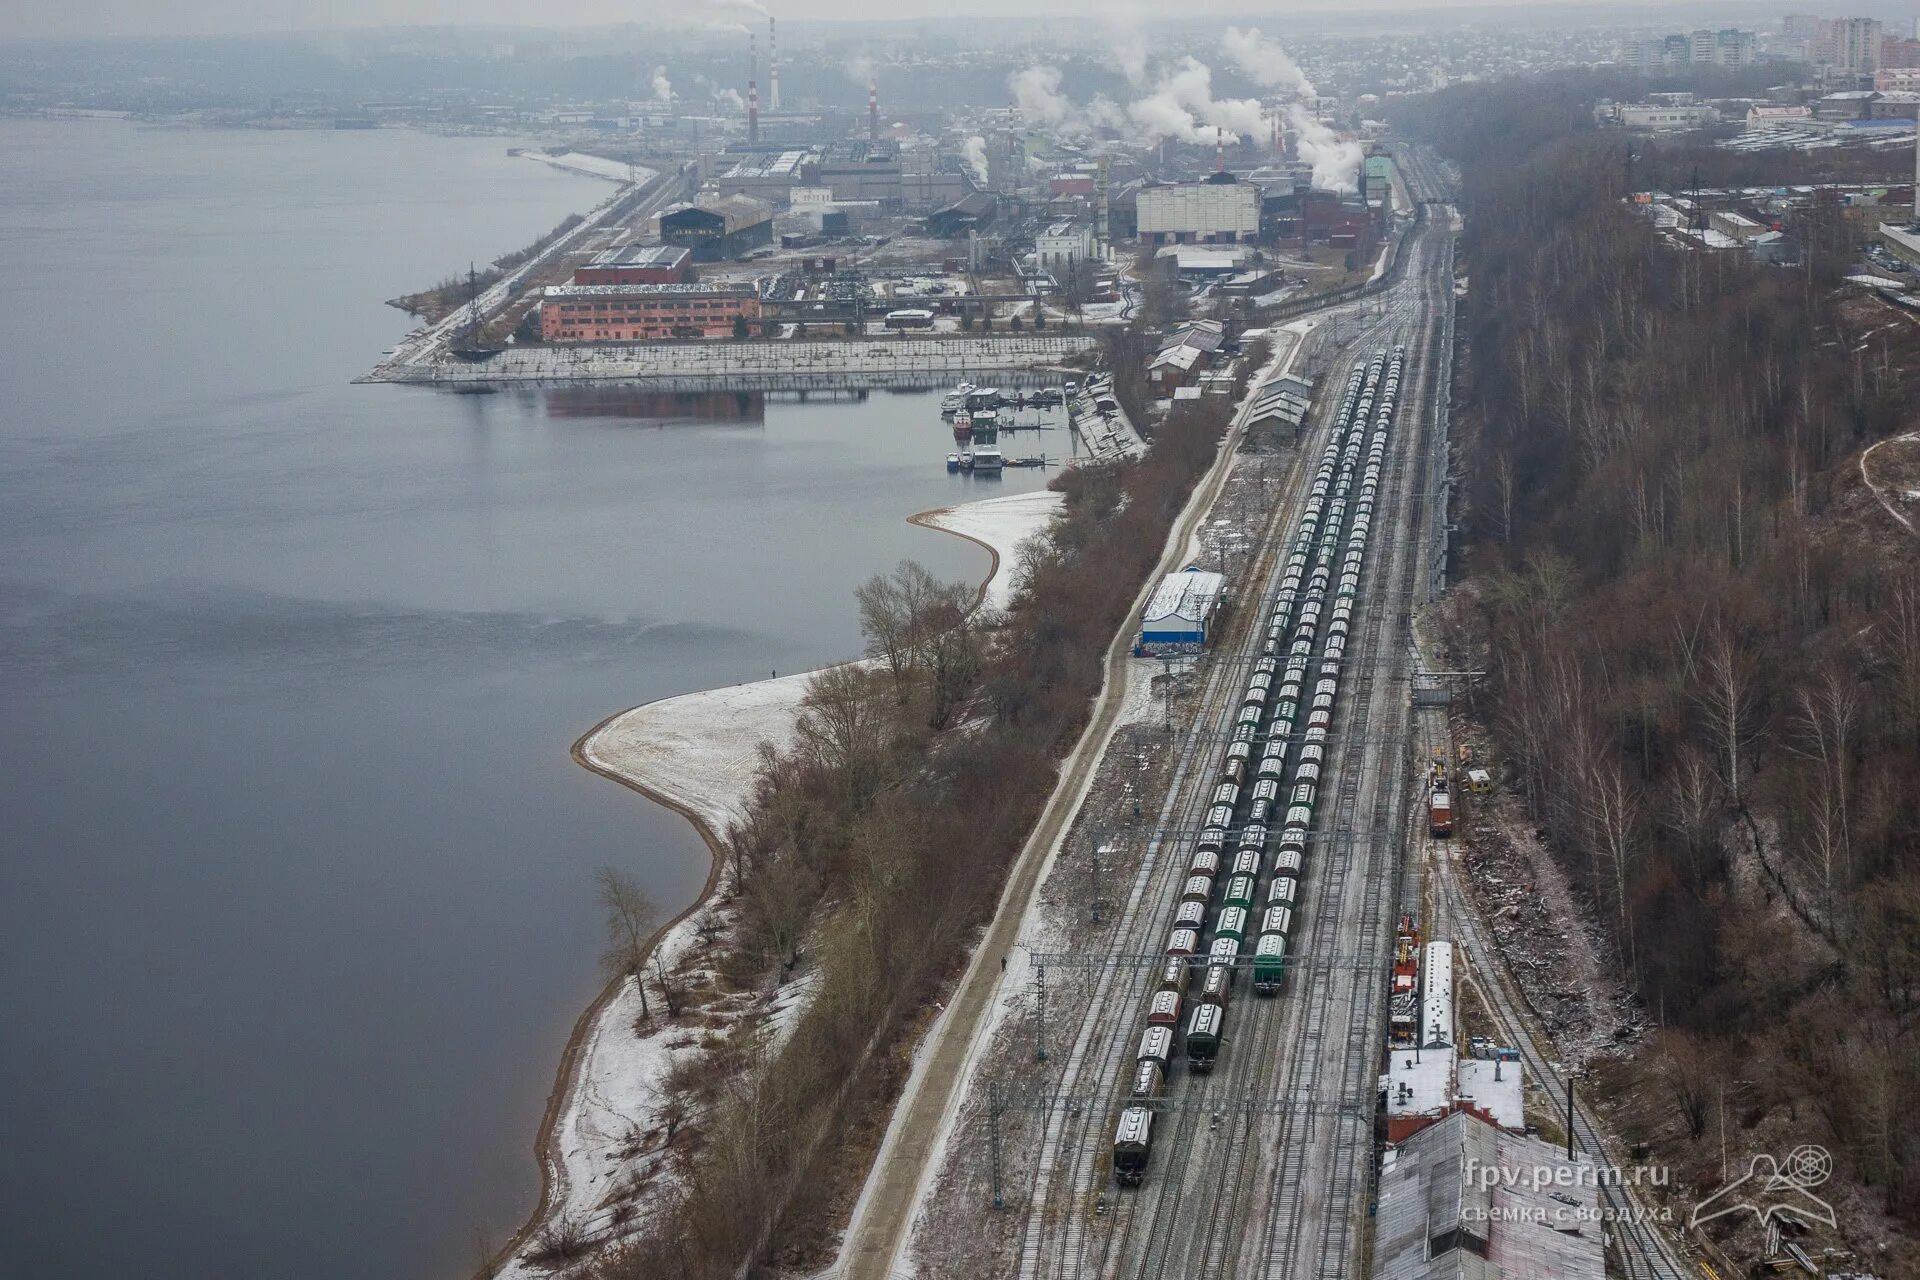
1180,612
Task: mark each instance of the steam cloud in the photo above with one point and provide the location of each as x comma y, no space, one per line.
1180,106
662,87
976,157
1263,61
1336,164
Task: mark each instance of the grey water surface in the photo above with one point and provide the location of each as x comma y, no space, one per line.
296,903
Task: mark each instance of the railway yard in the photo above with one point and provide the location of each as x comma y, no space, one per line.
1181,1075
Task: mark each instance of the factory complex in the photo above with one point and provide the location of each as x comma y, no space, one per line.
802,221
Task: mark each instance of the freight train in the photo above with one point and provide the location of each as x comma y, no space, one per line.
1269,775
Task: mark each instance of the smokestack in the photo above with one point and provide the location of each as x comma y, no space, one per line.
773,66
1219,150
1101,215
873,109
753,88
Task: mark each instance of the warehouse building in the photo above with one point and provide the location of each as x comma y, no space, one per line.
859,171
1282,402
717,229
969,213
1462,1200
1179,615
641,312
638,264
1210,212
770,176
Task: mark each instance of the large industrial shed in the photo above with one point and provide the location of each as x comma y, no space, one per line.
1180,612
720,229
1438,1219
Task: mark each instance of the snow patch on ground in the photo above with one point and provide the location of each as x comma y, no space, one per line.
700,750
1003,524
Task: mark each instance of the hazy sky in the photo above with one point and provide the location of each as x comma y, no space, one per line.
194,17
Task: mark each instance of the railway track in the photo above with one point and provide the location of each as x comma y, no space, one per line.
1193,1217
1099,1041
1640,1249
1314,1196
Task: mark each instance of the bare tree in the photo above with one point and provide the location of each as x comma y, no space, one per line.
844,727
1613,813
667,985
1693,804
1687,1068
1729,700
1903,644
1825,721
631,916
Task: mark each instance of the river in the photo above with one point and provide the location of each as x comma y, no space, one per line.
296,907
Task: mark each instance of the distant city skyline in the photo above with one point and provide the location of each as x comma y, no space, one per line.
96,18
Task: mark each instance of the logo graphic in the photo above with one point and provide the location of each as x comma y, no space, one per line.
1774,1191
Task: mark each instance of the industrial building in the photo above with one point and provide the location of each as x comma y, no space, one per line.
1063,246
859,171
638,264
1463,1200
1656,117
769,176
1210,212
1180,613
718,229
640,312
969,213
1282,402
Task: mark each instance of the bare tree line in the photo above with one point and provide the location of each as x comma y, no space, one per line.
877,843
1701,660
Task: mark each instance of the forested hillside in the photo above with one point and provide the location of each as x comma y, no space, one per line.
1701,631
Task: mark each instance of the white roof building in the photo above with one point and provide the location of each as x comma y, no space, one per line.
1436,995
1496,1088
1179,612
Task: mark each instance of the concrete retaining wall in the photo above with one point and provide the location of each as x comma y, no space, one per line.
882,358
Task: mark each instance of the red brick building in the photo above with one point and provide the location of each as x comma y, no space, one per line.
638,264
640,312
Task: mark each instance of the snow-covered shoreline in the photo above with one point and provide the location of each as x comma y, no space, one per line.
594,166
696,753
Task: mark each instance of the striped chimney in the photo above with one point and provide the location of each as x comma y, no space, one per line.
773,66
873,109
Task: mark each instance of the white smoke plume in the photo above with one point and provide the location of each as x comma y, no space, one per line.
976,157
1336,162
662,87
730,98
859,69
739,6
1182,108
1036,91
1263,61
